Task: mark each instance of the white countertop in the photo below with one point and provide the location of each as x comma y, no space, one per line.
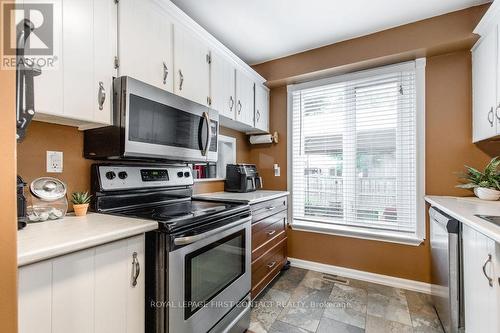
249,197
44,240
464,209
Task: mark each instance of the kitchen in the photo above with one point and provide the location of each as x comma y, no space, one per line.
306,192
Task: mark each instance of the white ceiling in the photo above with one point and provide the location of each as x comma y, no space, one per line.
261,30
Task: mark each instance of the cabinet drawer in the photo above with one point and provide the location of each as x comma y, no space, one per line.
267,229
264,209
268,266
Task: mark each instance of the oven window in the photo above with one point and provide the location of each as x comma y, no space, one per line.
211,269
156,123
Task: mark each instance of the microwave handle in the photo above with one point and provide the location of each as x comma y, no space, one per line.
204,152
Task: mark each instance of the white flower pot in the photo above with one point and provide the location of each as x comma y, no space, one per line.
484,193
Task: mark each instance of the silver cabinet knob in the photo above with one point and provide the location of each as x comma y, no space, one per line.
491,117
181,79
239,107
490,280
101,95
231,103
165,73
136,269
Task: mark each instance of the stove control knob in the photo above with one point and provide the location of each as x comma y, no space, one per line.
187,174
179,174
110,175
122,175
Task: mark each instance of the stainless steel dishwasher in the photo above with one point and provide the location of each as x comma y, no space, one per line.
446,270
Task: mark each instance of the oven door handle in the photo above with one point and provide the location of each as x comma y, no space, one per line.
195,238
204,152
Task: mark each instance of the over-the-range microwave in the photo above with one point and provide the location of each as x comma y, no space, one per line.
151,123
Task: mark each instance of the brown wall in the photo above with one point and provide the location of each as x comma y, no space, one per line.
448,132
437,35
8,217
31,161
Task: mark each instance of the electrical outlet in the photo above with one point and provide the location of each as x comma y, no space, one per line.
54,161
277,170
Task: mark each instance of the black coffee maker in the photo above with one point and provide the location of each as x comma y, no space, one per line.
21,204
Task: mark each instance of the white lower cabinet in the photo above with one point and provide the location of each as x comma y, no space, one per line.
481,284
90,291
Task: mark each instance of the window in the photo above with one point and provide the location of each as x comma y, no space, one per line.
357,154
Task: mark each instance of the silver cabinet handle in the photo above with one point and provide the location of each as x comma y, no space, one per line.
490,280
271,207
239,107
491,117
204,152
496,111
271,265
101,95
181,81
136,269
231,103
165,73
258,115
272,232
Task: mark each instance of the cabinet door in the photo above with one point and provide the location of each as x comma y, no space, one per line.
484,74
49,84
261,108
244,98
135,291
111,284
191,66
105,41
73,293
481,309
222,86
35,298
78,57
145,43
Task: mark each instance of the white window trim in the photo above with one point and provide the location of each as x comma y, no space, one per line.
419,66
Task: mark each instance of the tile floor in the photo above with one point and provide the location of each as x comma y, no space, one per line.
303,301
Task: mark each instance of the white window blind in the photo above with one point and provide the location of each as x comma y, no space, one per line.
354,152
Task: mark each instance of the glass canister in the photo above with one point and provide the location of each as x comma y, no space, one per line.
48,200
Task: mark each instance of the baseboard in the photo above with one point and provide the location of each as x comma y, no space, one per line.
390,281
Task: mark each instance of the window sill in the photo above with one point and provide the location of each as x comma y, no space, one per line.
337,230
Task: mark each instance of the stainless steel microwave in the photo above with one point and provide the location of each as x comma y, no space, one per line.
151,123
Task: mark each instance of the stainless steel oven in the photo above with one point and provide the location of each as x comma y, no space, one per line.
207,279
151,123
209,275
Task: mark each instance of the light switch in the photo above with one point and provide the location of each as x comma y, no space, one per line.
277,170
55,161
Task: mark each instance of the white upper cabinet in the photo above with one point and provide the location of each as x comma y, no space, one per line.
78,90
261,108
486,77
222,85
152,41
244,98
145,43
191,65
484,91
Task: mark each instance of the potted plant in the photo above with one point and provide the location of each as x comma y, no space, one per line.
81,202
486,184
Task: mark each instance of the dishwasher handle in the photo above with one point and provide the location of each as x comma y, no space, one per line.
448,223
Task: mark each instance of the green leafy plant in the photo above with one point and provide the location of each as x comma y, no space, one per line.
489,178
81,198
